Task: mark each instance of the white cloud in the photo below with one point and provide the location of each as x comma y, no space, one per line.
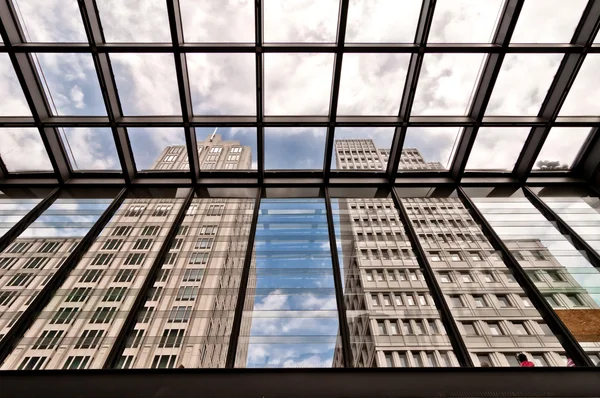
22,149
584,96
376,21
464,21
13,100
300,20
93,149
563,144
497,148
134,20
77,97
51,20
218,20
276,300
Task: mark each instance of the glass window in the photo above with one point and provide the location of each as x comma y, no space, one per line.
294,147
90,148
13,103
429,148
22,149
128,22
372,21
484,360
362,148
43,21
495,329
582,98
218,21
147,145
519,328
497,148
464,21
305,77
305,21
470,329
480,302
561,148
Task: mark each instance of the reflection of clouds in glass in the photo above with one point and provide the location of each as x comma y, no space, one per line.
289,355
294,147
22,149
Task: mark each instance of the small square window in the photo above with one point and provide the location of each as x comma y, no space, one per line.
480,302
574,300
456,302
470,329
503,302
445,277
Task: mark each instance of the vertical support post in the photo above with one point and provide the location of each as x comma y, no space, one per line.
260,129
129,323
239,307
339,286
564,336
458,345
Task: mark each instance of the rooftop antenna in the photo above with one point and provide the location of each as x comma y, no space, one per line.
213,134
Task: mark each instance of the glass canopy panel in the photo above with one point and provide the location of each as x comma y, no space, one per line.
522,84
497,148
294,147
362,79
13,208
71,84
583,98
158,149
297,84
33,259
548,21
217,21
90,148
561,148
446,83
429,148
22,149
561,273
376,21
290,317
222,84
464,21
134,21
300,21
45,21
196,288
362,148
492,311
13,100
97,294
226,148
147,84
391,314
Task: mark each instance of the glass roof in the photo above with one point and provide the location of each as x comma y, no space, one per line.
390,81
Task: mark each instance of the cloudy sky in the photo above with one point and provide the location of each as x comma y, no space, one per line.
295,84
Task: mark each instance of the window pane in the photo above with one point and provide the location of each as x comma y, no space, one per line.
147,84
13,100
497,148
128,21
218,20
363,76
294,147
291,308
151,145
583,98
238,148
375,21
548,21
429,148
71,83
524,228
363,148
90,148
464,21
297,84
561,147
300,21
222,84
446,83
22,149
79,215
13,207
522,84
43,21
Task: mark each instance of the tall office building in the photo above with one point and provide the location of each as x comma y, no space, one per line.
188,312
392,318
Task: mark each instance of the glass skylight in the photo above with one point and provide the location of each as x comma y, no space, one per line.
22,149
497,148
294,147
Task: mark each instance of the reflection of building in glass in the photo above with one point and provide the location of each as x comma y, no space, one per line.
189,310
392,319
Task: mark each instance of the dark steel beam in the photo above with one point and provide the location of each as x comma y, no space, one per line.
260,95
335,87
588,163
3,169
241,299
344,328
183,84
28,317
120,341
458,345
563,80
26,72
95,34
26,221
576,240
410,87
485,86
562,333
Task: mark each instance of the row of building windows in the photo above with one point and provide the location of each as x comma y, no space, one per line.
399,299
407,327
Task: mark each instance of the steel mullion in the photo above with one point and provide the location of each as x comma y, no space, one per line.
120,341
241,299
562,333
28,317
260,104
344,328
410,87
95,34
25,222
335,86
3,169
458,345
578,242
485,85
563,80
